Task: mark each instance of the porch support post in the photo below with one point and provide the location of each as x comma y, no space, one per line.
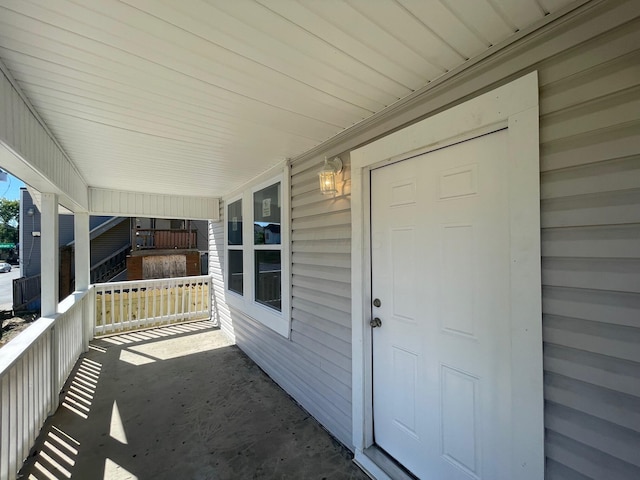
82,254
49,289
50,249
82,260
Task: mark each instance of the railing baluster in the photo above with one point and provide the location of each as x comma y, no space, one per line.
130,309
4,427
31,354
189,296
183,294
153,298
161,300
38,382
54,352
103,302
121,305
203,299
12,420
146,302
112,315
139,297
19,386
175,288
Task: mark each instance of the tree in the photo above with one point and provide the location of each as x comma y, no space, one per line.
9,214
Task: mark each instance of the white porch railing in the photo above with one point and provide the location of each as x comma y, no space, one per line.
33,369
134,305
35,365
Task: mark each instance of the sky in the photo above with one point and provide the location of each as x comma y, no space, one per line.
11,188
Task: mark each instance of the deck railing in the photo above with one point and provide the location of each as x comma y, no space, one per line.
124,306
33,369
149,238
109,267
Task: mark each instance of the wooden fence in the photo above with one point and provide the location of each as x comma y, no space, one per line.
26,291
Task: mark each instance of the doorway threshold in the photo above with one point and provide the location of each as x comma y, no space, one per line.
381,466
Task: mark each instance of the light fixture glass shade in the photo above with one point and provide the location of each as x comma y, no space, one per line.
327,176
327,182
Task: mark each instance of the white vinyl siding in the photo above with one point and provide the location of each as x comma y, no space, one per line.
314,366
138,204
590,201
219,309
589,73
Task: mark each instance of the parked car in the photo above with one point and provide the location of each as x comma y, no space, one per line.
5,267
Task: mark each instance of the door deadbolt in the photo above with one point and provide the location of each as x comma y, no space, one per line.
375,322
377,302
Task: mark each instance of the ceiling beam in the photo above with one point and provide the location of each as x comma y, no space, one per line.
135,204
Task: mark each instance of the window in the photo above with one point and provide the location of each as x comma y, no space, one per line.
266,244
257,262
234,245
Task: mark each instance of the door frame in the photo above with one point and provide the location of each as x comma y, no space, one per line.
513,107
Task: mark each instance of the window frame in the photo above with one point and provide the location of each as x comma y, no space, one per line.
233,247
278,321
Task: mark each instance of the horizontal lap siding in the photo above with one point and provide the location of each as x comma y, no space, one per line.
314,365
590,212
219,310
590,216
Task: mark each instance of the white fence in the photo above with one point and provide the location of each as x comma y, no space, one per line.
33,369
125,306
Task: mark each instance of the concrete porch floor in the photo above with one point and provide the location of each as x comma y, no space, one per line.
180,402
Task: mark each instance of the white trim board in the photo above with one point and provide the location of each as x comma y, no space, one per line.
514,106
137,204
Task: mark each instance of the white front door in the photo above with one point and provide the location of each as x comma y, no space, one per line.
440,248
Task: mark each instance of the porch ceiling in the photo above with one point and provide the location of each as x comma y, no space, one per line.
195,97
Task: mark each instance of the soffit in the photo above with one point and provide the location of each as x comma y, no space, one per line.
197,98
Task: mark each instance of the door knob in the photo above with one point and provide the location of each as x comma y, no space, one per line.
377,302
375,322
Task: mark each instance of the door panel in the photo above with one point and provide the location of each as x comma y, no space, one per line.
440,266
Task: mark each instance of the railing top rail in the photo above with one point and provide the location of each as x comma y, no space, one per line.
73,299
155,281
166,229
26,279
13,350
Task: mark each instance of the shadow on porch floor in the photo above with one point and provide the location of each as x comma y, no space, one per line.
180,402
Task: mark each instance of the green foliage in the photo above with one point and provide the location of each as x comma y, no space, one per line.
9,214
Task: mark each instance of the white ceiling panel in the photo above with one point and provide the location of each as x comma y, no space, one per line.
196,97
483,19
551,6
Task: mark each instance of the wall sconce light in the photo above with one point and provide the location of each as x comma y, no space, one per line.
327,176
30,211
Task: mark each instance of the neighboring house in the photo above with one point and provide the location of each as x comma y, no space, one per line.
162,233
165,248
108,235
110,239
